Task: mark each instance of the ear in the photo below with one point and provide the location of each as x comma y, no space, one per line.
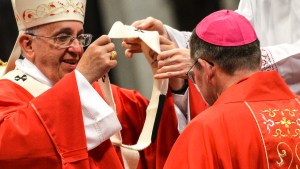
208,69
25,42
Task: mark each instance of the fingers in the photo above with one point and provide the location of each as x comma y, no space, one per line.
164,40
173,63
145,24
132,40
103,42
97,60
132,46
150,24
166,44
172,71
164,55
171,74
129,53
184,53
138,23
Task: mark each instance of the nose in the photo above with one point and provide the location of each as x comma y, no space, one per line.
75,47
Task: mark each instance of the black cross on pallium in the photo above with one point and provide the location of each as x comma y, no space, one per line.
24,77
139,30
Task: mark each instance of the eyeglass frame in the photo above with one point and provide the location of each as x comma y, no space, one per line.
190,73
71,39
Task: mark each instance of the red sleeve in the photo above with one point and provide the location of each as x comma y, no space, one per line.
34,130
60,112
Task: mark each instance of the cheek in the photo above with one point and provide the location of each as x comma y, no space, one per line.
49,62
199,79
205,88
48,58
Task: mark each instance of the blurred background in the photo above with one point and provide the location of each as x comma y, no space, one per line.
101,14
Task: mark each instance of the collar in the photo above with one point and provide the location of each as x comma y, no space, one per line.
30,69
260,86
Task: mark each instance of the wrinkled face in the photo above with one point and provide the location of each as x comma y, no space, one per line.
51,59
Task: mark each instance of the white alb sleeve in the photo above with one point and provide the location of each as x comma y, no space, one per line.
181,38
100,121
182,109
285,58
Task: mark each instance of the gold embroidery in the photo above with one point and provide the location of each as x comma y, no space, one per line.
54,8
286,121
272,113
297,131
296,150
279,133
279,126
268,122
282,153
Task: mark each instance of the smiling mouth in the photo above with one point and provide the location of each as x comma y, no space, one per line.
71,62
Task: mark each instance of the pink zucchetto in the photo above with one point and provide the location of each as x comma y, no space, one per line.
226,28
31,13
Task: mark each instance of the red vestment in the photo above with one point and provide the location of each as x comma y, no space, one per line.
48,131
156,154
254,124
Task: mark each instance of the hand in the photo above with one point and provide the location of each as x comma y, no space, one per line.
151,55
96,62
165,45
132,45
174,64
151,24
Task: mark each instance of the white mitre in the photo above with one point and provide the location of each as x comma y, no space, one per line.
31,13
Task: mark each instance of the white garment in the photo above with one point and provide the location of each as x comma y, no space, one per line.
181,104
277,24
100,121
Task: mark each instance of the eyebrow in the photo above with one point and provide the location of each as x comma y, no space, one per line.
67,31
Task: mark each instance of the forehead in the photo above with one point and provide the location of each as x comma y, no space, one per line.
62,26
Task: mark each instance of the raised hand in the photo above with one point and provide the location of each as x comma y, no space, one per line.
173,63
132,45
96,60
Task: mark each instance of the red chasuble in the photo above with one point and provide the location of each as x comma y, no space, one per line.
253,124
47,131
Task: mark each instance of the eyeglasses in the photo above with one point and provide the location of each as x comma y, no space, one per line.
65,41
190,73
